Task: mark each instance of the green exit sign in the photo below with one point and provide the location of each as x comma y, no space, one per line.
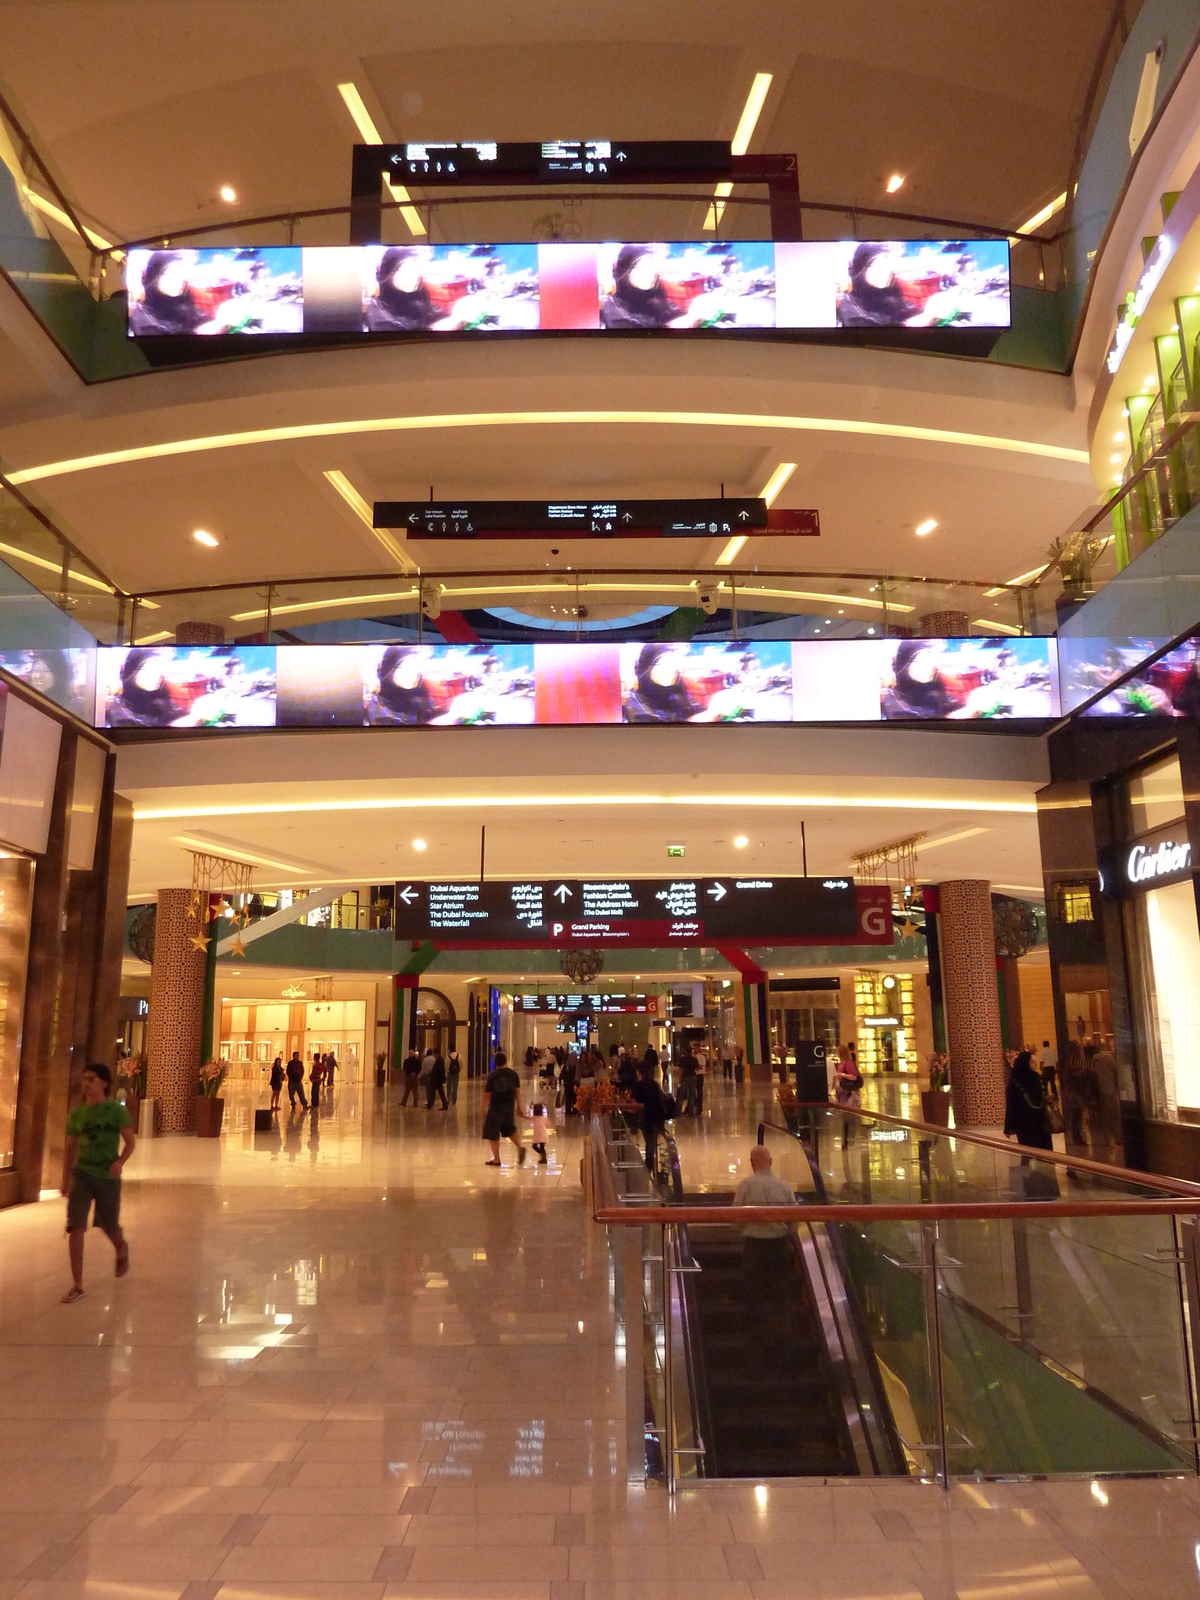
675,850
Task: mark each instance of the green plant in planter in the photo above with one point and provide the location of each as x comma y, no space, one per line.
1074,558
212,1076
939,1071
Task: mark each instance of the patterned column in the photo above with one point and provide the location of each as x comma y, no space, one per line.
943,625
972,1002
176,1013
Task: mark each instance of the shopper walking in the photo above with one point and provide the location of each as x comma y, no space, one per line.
412,1078
436,1084
316,1077
654,1112
453,1073
100,1140
276,1082
1025,1105
330,1069
500,1109
295,1080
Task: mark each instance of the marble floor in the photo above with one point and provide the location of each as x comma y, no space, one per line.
356,1363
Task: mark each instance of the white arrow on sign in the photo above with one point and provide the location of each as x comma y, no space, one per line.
718,891
409,894
743,515
562,893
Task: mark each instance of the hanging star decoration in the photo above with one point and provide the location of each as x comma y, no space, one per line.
237,948
908,928
200,941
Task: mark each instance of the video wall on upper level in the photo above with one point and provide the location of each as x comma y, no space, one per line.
734,285
467,685
666,681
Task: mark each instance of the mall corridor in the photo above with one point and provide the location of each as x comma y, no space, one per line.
371,1367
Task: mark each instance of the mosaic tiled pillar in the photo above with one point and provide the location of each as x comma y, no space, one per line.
176,1013
972,1001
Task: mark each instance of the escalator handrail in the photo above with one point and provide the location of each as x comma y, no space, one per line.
849,1291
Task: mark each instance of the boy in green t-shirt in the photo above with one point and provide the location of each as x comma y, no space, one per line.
100,1140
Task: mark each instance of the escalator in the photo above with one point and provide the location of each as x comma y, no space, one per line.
783,1378
769,1403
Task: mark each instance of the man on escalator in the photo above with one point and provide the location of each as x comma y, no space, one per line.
768,1258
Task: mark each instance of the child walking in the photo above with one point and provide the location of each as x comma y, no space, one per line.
100,1140
540,1118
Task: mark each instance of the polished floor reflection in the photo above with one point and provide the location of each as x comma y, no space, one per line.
351,1361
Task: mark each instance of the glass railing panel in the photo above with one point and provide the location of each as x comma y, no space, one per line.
886,1262
1155,599
1062,1346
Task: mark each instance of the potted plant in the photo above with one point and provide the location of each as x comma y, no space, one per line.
935,1101
1074,559
137,1091
209,1106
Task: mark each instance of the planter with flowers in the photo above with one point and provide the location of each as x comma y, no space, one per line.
935,1101
209,1107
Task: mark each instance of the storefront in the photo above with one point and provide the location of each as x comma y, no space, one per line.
1118,851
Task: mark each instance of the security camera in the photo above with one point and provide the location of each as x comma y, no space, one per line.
581,612
707,596
431,605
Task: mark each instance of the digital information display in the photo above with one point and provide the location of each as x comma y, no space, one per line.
436,163
638,912
719,285
588,1004
478,685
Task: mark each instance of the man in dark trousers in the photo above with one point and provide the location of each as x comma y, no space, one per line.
654,1111
412,1077
295,1080
500,1109
437,1083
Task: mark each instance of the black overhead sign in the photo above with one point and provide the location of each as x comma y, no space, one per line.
636,912
464,519
441,163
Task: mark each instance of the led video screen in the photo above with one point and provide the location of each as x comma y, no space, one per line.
426,289
922,680
184,686
65,676
676,681
1169,687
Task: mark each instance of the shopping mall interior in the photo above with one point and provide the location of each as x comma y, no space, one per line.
663,678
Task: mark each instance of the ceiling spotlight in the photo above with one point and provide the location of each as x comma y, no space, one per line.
419,844
925,527
896,181
741,841
205,538
1116,460
1118,438
228,194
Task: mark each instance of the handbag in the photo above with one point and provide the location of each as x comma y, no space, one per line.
1054,1117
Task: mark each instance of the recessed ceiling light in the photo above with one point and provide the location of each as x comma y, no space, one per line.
925,527
1116,459
870,630
1118,438
228,194
896,181
741,841
205,538
419,844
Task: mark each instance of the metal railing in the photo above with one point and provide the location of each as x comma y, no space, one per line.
1088,1304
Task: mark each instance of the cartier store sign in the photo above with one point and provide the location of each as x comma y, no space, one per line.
1151,861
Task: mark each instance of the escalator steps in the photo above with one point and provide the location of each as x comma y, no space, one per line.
773,1408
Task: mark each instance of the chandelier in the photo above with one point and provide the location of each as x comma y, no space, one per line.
581,966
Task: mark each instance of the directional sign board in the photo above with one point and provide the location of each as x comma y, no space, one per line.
441,163
591,519
562,1002
636,912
